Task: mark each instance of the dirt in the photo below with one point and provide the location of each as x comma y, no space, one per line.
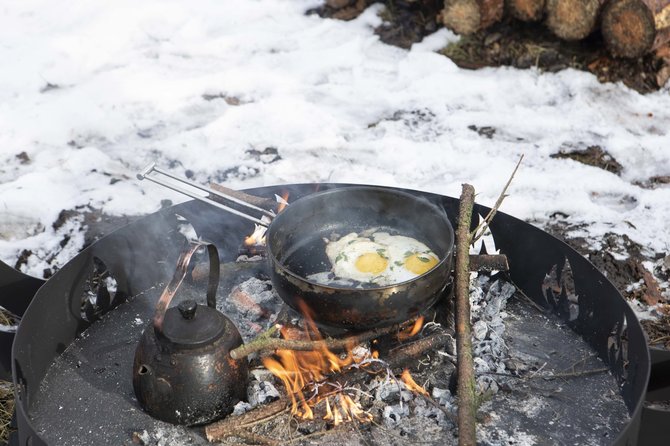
593,156
623,261
508,43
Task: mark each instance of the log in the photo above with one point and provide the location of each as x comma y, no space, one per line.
633,28
573,19
469,16
526,10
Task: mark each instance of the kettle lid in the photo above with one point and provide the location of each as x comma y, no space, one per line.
189,325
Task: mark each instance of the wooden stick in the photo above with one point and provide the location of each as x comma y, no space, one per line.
465,368
226,427
481,227
573,19
470,16
526,10
633,28
399,356
264,343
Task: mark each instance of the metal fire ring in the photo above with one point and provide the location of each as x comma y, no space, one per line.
139,254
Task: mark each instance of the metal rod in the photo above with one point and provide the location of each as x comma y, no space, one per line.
145,174
214,192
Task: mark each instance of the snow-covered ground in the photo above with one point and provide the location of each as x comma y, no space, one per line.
90,92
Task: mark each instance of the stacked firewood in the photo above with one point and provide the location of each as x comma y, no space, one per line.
630,28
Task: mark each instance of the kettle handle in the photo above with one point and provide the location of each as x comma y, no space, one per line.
178,278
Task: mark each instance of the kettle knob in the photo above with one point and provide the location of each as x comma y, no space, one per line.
187,308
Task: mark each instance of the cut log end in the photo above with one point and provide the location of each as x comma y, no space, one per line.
572,19
526,10
628,28
461,16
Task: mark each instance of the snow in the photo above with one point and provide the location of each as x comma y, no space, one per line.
92,92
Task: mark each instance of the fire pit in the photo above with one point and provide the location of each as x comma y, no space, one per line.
72,356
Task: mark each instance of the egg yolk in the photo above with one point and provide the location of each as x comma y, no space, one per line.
371,262
420,263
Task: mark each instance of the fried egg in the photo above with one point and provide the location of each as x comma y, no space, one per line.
380,259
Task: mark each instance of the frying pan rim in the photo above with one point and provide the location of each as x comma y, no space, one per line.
388,190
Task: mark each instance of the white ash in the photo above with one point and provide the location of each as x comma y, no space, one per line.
169,436
390,390
499,437
261,374
251,305
479,330
261,392
429,411
443,397
259,290
488,300
394,414
242,407
248,258
532,406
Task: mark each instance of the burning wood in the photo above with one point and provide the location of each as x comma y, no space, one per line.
308,372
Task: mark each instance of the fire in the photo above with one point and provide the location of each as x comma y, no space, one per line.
412,331
306,374
283,201
411,384
257,238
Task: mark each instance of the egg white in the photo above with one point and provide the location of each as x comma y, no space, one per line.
394,249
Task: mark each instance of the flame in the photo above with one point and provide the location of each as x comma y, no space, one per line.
257,237
283,201
307,372
411,384
412,331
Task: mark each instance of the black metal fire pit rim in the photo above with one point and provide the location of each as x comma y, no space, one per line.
125,238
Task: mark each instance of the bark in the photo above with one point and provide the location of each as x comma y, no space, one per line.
526,10
265,342
470,16
573,19
633,28
467,409
230,425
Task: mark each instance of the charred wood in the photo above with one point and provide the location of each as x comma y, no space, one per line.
632,28
488,262
469,16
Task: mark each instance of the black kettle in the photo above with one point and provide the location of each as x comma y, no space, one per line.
183,373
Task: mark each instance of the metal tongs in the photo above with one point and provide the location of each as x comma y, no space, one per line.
150,173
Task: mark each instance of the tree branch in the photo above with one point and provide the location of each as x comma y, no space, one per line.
481,227
465,368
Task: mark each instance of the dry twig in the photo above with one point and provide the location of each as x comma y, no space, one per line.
481,227
266,342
